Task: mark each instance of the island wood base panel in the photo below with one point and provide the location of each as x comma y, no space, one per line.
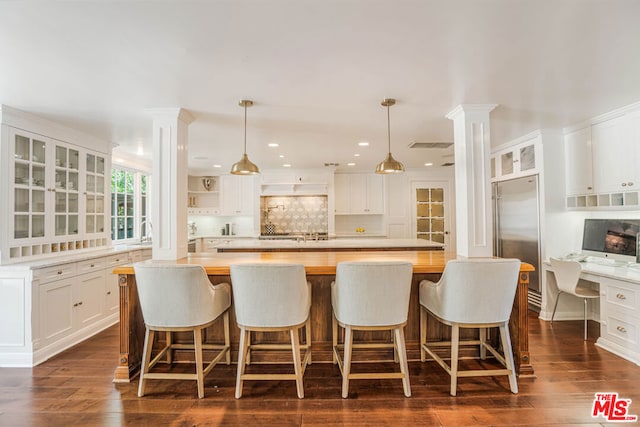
132,328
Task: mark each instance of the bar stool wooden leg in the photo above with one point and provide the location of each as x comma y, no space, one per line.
402,355
307,330
146,358
423,333
346,368
334,337
227,337
169,338
242,358
483,340
455,344
295,349
197,344
508,356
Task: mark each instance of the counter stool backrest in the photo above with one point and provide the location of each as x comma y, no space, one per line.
372,293
175,295
270,295
476,290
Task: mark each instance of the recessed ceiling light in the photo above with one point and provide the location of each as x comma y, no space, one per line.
363,144
286,165
356,155
351,164
282,156
273,144
217,166
428,164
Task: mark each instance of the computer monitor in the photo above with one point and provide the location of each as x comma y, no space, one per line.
606,237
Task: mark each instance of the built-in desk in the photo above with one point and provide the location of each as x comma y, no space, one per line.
619,306
320,268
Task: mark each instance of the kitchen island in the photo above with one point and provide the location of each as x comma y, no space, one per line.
320,268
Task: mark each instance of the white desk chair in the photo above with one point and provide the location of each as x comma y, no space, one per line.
177,298
272,298
370,296
568,279
473,293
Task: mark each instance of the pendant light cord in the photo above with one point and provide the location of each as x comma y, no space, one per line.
245,129
388,129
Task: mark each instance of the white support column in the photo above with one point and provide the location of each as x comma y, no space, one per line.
472,148
169,189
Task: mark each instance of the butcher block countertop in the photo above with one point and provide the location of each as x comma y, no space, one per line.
317,263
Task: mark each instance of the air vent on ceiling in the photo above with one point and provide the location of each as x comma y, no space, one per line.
447,164
438,145
332,164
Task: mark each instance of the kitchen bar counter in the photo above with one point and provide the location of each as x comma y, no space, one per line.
320,268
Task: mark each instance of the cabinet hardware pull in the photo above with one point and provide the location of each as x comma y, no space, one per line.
621,329
621,296
80,303
109,293
624,184
60,272
629,184
91,265
589,188
75,305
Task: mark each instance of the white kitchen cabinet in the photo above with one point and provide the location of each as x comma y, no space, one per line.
359,194
56,196
608,145
519,160
57,306
578,162
620,317
237,195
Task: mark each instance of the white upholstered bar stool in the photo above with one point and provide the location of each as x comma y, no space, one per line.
272,298
371,296
474,293
568,279
176,298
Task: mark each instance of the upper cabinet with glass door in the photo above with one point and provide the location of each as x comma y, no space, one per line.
48,214
518,160
95,192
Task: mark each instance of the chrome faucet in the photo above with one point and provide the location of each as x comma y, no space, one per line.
146,237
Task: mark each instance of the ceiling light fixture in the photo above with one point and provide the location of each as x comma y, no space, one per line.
389,165
356,155
217,166
273,144
245,166
428,164
363,144
286,165
351,164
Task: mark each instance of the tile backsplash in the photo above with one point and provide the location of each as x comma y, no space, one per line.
294,214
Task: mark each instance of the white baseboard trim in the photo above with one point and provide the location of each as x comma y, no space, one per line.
618,350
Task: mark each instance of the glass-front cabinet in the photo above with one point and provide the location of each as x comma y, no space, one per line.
57,196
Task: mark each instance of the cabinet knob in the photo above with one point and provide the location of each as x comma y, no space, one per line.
75,305
60,272
80,303
629,184
91,266
109,293
624,184
621,296
621,329
589,188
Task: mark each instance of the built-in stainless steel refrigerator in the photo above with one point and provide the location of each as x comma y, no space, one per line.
516,227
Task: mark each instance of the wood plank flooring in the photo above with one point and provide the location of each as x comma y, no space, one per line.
75,389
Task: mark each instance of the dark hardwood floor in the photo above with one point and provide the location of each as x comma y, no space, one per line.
75,389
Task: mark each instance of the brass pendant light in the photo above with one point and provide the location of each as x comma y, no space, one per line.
245,166
389,164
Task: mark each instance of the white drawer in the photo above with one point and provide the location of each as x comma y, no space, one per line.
115,260
49,274
621,329
210,243
91,265
622,297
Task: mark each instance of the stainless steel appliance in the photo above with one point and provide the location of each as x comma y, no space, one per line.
516,227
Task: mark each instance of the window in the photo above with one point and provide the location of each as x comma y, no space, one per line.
129,204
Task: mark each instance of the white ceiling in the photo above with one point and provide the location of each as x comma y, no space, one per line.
317,71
